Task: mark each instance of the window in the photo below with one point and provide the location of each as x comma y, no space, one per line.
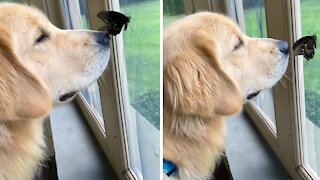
141,51
255,26
296,116
141,81
92,93
309,10
123,106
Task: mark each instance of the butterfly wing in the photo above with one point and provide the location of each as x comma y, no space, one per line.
114,21
104,16
303,44
299,43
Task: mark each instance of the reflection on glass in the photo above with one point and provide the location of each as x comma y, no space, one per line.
255,22
310,11
172,10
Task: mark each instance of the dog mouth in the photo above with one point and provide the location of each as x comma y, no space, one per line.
67,96
252,95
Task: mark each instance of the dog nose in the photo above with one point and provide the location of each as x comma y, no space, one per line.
102,38
283,47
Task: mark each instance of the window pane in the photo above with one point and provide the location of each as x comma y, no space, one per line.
141,44
255,18
255,23
142,59
310,11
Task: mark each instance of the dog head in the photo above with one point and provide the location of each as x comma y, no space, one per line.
66,61
211,67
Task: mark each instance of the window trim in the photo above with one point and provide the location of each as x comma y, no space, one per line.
114,135
116,108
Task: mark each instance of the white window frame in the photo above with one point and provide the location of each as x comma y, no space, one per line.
120,138
112,136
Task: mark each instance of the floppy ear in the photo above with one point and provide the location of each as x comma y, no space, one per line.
194,82
22,95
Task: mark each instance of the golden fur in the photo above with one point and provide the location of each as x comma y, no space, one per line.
207,75
33,75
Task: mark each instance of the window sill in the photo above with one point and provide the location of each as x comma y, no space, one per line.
77,153
149,147
248,154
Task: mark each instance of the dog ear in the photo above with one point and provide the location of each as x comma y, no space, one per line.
22,95
194,82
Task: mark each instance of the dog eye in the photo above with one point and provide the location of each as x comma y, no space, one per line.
42,38
238,45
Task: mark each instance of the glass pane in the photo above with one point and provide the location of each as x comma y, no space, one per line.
142,42
255,23
142,58
310,11
91,94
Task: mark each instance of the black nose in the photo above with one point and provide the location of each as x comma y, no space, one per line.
102,38
283,47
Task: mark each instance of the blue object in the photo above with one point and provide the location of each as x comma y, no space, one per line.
169,168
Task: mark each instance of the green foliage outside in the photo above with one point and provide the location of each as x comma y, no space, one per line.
312,99
146,103
142,53
173,7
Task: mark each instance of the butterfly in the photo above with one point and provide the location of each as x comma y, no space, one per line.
114,21
305,46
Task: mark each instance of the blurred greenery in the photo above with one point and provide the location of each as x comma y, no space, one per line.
9,1
146,103
142,53
173,7
312,99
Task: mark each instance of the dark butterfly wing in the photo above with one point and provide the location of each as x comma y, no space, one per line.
113,28
305,46
114,20
301,41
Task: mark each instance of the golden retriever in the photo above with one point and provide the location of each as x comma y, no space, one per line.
39,64
210,69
